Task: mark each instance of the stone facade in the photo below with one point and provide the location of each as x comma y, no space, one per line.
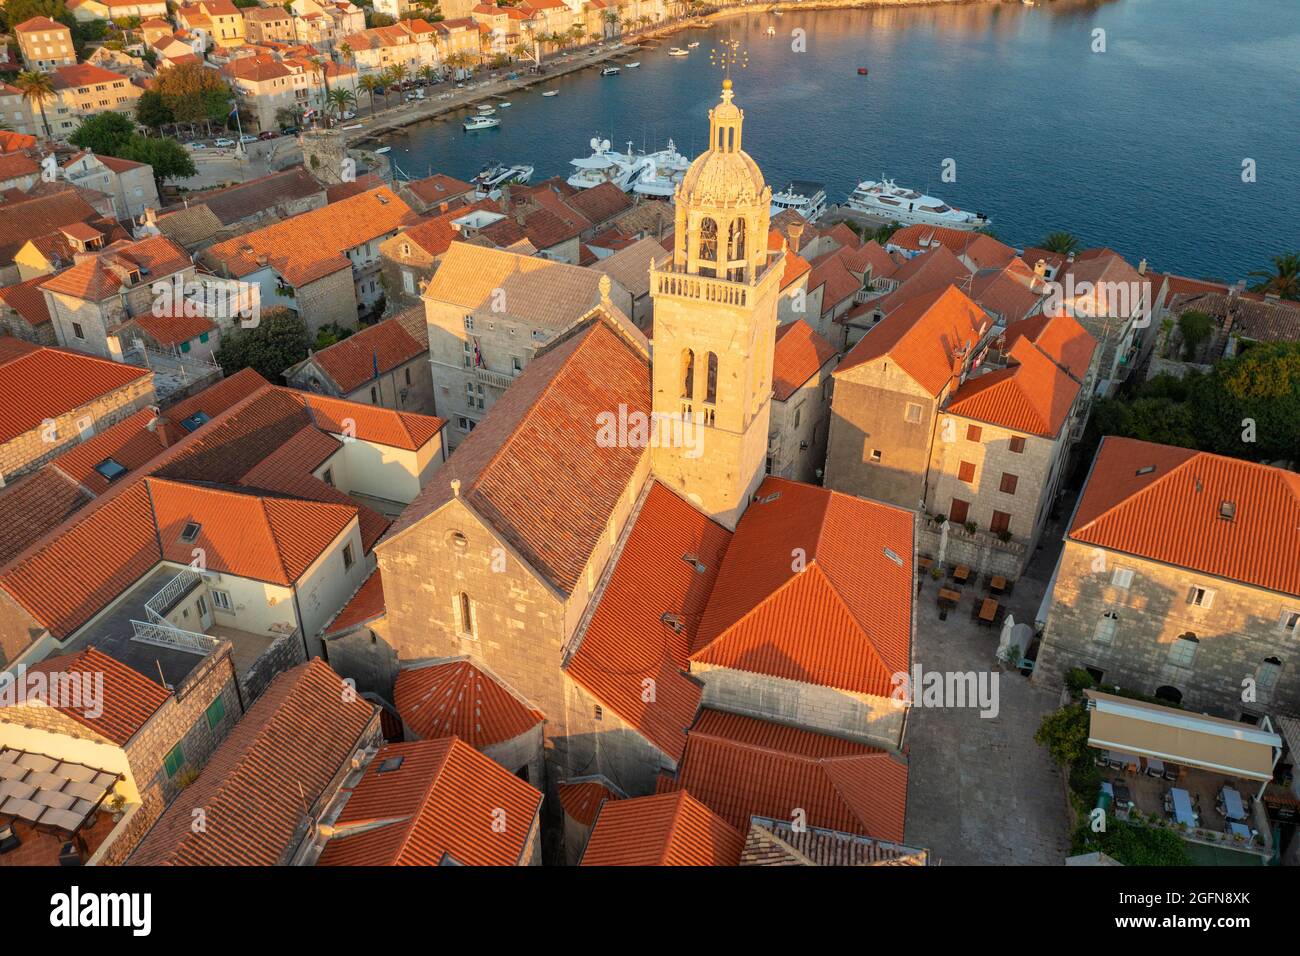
30,450
331,299
799,428
1241,629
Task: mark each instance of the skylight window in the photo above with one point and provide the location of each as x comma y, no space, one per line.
695,562
190,531
1227,510
673,621
195,421
110,469
391,764
1146,469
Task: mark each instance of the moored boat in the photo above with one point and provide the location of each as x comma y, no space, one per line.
678,51
551,93
480,122
610,71
885,199
806,198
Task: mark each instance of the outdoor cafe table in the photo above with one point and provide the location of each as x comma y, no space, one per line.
1239,829
1183,806
998,584
948,595
988,610
1155,767
1232,804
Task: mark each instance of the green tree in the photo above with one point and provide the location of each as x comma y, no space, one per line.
193,92
1064,733
1283,279
340,98
279,340
168,158
370,83
104,133
375,19
19,11
1195,328
37,89
1063,243
151,110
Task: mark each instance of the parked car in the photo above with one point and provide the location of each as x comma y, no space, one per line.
267,134
223,142
195,146
248,138
348,114
289,131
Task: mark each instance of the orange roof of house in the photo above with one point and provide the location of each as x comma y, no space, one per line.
129,698
832,275
35,215
438,188
363,607
26,299
1060,338
870,255
40,382
600,203
256,787
176,328
627,641
800,352
458,699
97,278
667,829
16,165
130,443
444,802
741,767
1171,513
30,507
351,362
383,426
313,244
582,800
38,23
923,337
84,74
932,272
1032,394
844,620
517,467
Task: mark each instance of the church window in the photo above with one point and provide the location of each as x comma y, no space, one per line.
688,373
711,386
709,240
736,240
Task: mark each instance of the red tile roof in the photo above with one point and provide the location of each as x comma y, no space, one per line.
600,203
363,607
582,800
17,165
97,278
44,382
256,788
383,426
458,699
832,275
800,352
128,698
174,329
84,74
32,505
667,829
517,467
352,361
741,767
26,299
923,337
445,802
36,215
130,443
439,188
1172,514
38,23
1060,338
627,641
1032,394
844,621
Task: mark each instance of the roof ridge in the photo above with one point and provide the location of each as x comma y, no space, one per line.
436,776
1141,492
681,797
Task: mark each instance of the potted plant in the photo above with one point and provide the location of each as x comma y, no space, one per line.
936,572
971,527
117,806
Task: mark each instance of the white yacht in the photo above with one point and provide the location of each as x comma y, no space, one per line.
805,198
610,71
659,173
678,51
480,122
887,200
604,166
495,175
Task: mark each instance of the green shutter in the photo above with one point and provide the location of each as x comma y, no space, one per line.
185,346
203,336
216,712
174,761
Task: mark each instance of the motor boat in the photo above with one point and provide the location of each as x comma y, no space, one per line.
678,51
805,198
604,166
480,122
658,174
486,110
885,199
610,71
633,65
551,93
496,174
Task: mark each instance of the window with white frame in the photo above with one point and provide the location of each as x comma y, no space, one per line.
1105,630
1122,577
1289,622
1200,597
221,599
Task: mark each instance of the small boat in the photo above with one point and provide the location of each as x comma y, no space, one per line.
610,71
503,106
384,149
486,110
633,65
862,71
480,122
551,93
678,51
771,31
693,44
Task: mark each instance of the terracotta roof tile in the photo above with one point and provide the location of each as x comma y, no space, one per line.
627,640
923,336
96,278
438,188
174,329
352,361
36,215
281,755
438,806
47,382
32,505
363,607
458,699
83,74
667,829
844,621
129,698
233,204
1032,394
582,800
741,767
27,300
1060,338
800,352
1171,514
600,203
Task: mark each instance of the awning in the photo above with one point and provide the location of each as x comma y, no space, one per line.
1192,740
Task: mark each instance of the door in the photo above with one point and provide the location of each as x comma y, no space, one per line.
205,614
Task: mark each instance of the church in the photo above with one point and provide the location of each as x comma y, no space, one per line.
672,618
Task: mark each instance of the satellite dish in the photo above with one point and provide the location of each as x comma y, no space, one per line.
595,143
604,145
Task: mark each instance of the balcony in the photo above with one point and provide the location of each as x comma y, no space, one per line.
495,379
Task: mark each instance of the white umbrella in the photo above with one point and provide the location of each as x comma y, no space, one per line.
943,544
1004,641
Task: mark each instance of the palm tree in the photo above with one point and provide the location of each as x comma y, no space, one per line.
611,21
427,73
577,32
1062,243
370,83
388,78
1284,278
399,72
37,88
628,23
645,20
340,98
320,68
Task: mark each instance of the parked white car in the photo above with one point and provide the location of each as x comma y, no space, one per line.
223,142
195,146
247,138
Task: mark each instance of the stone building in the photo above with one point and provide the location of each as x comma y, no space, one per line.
82,90
44,44
1180,578
131,184
56,399
411,257
801,402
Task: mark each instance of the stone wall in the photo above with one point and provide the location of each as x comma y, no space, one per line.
329,299
286,651
1235,634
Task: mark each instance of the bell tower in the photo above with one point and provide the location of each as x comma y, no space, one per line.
715,307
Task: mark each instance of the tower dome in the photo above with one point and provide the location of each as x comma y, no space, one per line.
724,175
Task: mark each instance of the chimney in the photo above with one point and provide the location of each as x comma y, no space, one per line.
262,259
796,232
1070,257
1142,267
150,216
455,487
443,206
1040,268
505,198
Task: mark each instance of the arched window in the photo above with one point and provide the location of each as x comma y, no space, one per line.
711,384
1183,651
736,240
466,613
688,373
1170,694
709,240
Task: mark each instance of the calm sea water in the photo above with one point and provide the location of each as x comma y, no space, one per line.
1139,147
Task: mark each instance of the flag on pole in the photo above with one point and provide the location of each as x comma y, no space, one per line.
478,356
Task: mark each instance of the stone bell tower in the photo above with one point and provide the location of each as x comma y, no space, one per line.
715,304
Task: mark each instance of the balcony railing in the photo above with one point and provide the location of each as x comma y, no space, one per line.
495,379
164,635
702,288
157,606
